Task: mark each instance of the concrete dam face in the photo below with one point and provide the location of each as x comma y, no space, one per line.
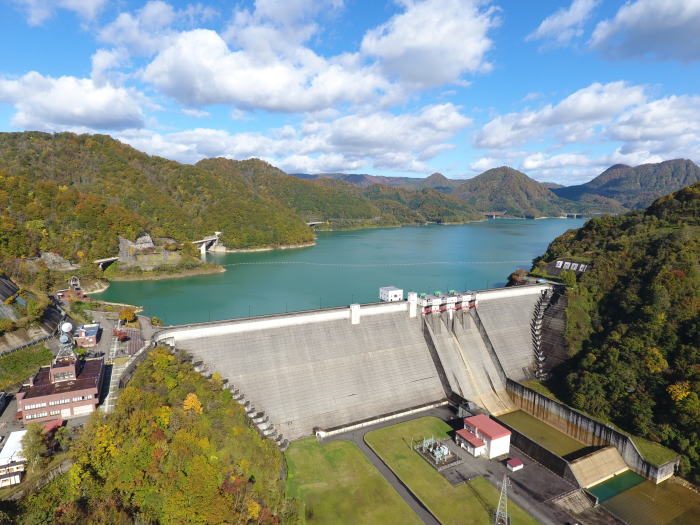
335,367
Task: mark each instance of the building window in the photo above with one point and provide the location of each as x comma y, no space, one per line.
55,412
35,405
35,416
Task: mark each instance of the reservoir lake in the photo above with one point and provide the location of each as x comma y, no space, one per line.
345,267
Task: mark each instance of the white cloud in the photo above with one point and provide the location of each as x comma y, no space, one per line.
143,32
66,102
434,41
39,11
198,68
667,126
104,61
576,132
573,119
565,24
657,29
379,140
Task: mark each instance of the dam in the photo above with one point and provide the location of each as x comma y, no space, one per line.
304,372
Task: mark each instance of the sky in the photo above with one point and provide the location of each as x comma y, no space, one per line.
560,90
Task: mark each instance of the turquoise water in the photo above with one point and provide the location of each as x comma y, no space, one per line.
616,485
346,267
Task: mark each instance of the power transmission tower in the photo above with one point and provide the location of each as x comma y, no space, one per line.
502,517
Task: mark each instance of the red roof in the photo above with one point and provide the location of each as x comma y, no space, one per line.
50,426
486,426
470,438
515,462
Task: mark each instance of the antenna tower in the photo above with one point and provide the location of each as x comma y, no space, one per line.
502,517
65,341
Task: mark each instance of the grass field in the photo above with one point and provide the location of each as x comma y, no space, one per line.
544,434
18,366
338,485
469,503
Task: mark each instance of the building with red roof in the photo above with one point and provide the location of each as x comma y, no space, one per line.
66,388
495,437
472,444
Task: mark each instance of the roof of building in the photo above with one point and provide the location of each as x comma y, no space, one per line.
90,329
12,451
390,289
50,426
514,462
487,426
88,377
470,438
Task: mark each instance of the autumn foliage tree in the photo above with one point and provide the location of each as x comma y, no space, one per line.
176,450
127,314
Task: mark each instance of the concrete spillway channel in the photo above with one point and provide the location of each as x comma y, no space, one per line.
469,368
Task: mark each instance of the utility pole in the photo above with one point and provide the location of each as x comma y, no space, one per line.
502,517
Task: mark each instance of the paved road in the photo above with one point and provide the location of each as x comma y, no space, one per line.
357,437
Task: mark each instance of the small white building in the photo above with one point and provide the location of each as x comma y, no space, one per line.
12,461
496,438
390,294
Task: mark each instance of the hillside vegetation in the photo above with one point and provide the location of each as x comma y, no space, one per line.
633,322
176,450
103,187
509,190
74,194
618,189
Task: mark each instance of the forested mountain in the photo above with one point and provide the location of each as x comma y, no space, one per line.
509,190
428,204
313,201
617,189
341,203
74,194
436,181
636,187
633,322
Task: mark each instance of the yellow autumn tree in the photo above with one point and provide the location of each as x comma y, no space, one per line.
192,403
679,391
253,509
654,361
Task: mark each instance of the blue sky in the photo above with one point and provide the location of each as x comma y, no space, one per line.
560,90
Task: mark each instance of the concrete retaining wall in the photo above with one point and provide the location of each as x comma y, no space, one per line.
587,430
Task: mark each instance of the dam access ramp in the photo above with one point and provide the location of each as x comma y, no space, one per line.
318,370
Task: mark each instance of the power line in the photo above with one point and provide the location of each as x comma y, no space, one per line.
374,265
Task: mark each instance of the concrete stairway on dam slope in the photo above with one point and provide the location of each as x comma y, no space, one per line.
598,466
467,364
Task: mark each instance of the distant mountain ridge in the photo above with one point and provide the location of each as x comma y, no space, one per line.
618,189
636,187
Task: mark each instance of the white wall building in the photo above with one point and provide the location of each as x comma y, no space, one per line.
496,438
11,460
390,294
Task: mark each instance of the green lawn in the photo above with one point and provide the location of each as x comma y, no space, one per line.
469,503
338,485
544,434
18,366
